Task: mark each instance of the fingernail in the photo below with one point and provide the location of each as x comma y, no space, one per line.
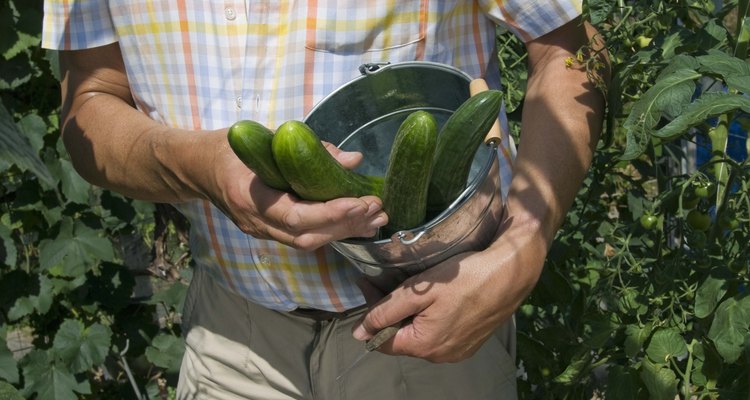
359,332
379,221
346,156
373,208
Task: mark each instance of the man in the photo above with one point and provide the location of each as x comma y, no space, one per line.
149,89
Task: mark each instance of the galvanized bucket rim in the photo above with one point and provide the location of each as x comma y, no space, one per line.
412,235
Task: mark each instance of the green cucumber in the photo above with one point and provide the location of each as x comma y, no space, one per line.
457,143
311,170
408,173
251,142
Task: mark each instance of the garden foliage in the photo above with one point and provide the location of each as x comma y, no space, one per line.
644,295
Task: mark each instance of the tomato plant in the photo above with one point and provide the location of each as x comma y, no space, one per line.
658,313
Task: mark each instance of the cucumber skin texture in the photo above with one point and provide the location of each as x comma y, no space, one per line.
408,173
458,141
311,170
251,142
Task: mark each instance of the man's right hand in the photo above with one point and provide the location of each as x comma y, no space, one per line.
116,146
271,214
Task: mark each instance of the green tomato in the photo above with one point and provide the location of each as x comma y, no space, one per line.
689,200
649,221
704,189
729,222
698,220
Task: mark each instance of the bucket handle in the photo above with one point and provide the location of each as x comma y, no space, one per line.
369,68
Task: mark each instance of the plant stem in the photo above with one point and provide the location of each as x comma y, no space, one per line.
719,137
742,33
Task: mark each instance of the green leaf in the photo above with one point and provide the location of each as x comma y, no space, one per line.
707,105
166,352
22,307
622,383
75,188
661,382
665,344
730,328
597,10
734,71
667,95
635,337
15,147
8,366
578,365
173,297
34,128
76,249
82,347
50,381
8,253
708,295
8,392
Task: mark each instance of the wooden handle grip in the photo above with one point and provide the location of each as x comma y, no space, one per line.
493,136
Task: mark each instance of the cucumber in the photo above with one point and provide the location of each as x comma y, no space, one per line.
408,173
311,170
251,142
457,143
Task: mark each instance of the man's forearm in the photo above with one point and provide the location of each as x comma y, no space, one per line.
562,119
115,146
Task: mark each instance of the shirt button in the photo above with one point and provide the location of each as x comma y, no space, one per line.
265,260
230,14
238,102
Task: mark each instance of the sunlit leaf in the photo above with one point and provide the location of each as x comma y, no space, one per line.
734,71
708,105
667,94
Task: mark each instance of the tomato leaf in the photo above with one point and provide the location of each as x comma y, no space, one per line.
734,71
665,344
661,382
708,295
667,96
730,328
635,337
707,105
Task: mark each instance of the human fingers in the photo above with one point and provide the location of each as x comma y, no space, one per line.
308,225
349,159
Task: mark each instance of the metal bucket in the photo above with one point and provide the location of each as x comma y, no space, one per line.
364,115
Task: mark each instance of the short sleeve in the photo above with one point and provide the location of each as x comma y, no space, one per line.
77,24
530,19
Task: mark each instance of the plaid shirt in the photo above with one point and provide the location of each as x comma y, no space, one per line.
207,64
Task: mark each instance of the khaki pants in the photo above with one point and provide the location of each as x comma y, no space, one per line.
239,350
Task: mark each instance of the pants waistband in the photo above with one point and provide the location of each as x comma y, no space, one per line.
323,315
